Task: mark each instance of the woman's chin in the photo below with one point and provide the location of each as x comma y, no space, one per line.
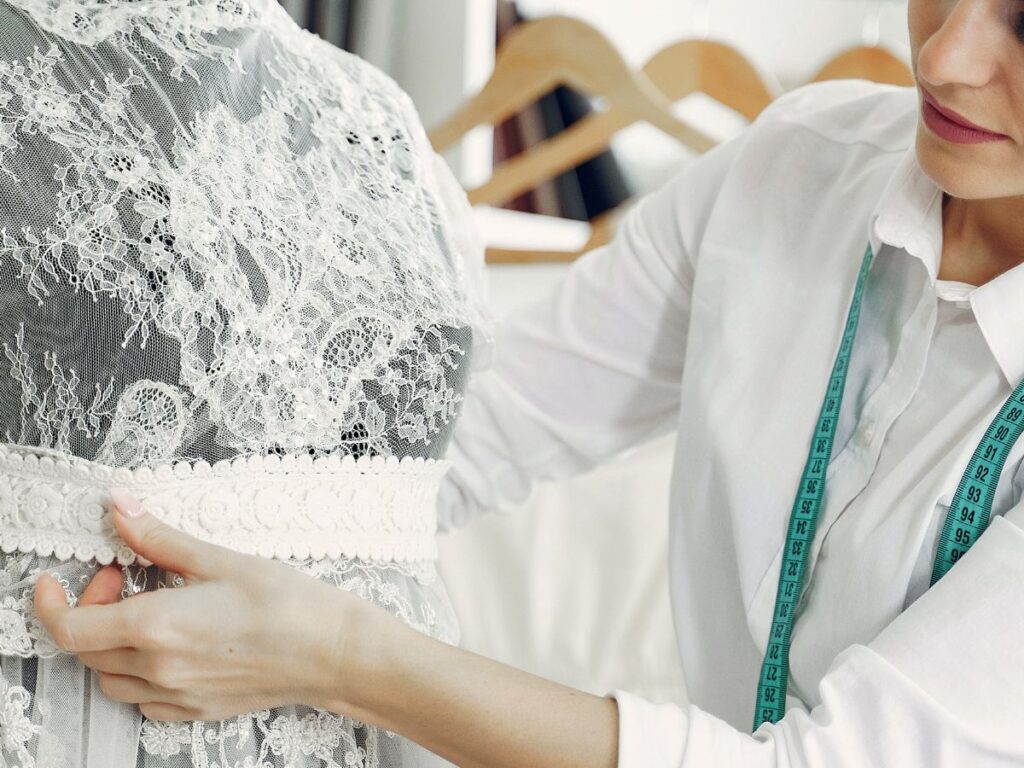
959,172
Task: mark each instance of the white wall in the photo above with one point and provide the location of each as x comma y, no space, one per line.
791,39
442,50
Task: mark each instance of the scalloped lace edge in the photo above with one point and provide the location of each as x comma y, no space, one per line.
372,508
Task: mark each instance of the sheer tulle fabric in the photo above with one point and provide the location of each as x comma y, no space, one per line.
220,237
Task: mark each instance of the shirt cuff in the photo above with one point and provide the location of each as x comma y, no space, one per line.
650,735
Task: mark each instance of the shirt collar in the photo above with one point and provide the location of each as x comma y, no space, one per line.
908,216
999,309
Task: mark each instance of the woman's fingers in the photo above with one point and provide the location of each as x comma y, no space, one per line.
128,689
155,702
51,603
83,628
168,712
159,543
104,587
117,661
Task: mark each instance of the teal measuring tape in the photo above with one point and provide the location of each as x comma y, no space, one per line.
972,503
967,518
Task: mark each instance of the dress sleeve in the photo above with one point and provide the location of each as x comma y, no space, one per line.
595,367
941,686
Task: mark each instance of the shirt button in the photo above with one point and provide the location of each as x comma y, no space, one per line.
868,434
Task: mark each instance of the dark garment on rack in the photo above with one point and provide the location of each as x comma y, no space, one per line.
596,185
330,19
581,193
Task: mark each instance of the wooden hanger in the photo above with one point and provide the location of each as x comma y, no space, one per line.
536,57
703,66
716,69
601,230
558,50
867,62
689,66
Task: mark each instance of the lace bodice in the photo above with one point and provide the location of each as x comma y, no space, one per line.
220,236
235,279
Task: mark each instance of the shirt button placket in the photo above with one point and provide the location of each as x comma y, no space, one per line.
867,434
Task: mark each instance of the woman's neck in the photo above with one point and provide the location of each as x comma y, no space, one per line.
981,239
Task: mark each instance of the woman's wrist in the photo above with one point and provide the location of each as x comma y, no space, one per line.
466,708
377,669
348,654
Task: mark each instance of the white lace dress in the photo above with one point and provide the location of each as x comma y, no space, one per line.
235,279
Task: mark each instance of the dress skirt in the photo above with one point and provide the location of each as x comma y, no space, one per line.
54,715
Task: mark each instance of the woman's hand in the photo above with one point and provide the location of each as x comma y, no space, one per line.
244,633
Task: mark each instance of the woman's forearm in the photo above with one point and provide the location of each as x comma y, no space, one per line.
469,709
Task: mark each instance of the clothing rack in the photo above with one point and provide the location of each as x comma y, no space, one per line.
551,51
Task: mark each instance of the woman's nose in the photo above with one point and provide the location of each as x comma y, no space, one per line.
965,48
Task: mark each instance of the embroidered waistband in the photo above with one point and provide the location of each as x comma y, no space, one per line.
373,508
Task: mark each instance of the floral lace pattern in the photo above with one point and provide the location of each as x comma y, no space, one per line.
180,27
57,410
15,727
304,277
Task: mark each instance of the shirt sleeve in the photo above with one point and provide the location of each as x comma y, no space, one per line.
941,686
595,367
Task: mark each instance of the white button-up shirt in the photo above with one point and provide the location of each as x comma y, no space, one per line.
717,312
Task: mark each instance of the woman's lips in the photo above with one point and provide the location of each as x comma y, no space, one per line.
950,126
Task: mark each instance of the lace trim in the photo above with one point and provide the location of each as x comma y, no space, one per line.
371,508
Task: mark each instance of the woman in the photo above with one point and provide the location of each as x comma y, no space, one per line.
842,275
234,278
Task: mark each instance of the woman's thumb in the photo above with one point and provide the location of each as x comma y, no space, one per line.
130,506
153,541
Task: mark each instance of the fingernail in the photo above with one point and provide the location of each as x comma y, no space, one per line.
124,501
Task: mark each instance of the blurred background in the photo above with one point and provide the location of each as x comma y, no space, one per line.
573,584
